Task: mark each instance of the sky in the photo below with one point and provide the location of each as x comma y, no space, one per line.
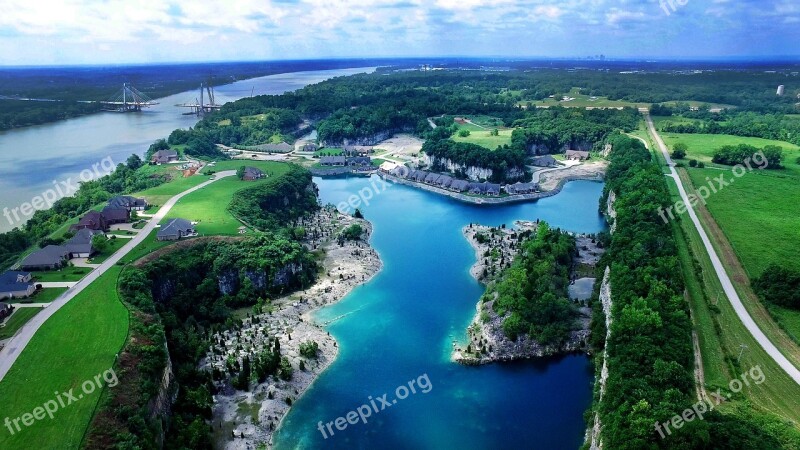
42,32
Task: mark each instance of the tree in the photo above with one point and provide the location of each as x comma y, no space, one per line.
309,349
463,133
679,150
358,214
100,243
240,172
134,162
692,163
286,370
494,132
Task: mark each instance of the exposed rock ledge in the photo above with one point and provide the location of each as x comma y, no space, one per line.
488,336
248,420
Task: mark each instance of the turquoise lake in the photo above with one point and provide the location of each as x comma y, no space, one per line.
401,325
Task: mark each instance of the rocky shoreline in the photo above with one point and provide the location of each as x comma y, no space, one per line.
486,342
249,419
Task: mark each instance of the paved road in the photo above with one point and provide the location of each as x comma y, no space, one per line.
17,344
727,285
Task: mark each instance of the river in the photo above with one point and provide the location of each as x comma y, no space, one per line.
33,158
401,325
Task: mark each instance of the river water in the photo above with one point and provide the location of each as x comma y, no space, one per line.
33,158
401,325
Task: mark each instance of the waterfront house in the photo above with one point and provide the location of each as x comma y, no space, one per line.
459,185
521,188
309,147
356,150
174,230
5,310
359,161
128,202
577,155
114,215
164,156
252,174
444,181
431,178
48,258
332,160
93,220
16,284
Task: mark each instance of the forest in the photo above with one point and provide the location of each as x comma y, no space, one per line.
738,123
532,292
177,303
649,352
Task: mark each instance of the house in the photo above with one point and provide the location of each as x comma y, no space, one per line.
387,166
164,156
357,150
309,147
5,310
50,257
418,175
16,284
358,161
175,229
490,189
92,220
521,188
252,173
128,202
80,245
332,160
577,155
444,181
283,147
431,178
114,215
544,161
459,185
400,171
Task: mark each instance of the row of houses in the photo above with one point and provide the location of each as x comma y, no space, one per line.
454,184
446,181
56,256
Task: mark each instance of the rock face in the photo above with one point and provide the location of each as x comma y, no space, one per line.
610,211
365,140
605,300
160,406
543,149
474,173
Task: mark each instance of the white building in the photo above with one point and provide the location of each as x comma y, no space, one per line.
781,90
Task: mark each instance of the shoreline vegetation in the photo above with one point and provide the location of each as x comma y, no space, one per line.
496,248
253,417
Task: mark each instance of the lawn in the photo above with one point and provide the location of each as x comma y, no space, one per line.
485,139
16,321
68,273
158,195
113,245
79,342
209,206
45,295
702,146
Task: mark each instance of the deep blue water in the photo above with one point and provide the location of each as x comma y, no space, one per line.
401,325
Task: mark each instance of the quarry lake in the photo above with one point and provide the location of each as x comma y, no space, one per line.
33,158
401,325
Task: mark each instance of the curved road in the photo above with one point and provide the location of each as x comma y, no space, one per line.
727,285
17,344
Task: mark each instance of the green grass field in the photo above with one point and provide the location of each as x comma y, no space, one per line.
721,333
702,146
66,274
160,194
79,342
17,320
484,138
113,246
45,295
208,206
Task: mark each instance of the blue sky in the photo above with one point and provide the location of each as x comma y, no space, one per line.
122,31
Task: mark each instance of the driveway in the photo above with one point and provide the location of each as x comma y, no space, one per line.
727,285
17,344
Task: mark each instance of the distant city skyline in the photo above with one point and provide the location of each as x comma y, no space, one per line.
143,31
